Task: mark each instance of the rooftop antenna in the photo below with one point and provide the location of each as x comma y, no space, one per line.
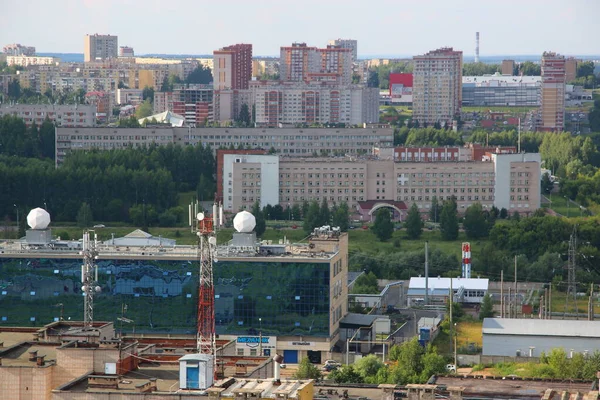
89,277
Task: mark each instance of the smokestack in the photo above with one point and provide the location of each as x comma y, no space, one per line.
476,47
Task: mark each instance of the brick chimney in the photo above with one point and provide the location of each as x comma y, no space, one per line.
33,355
40,361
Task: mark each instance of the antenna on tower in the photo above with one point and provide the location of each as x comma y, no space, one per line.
571,299
205,227
89,277
476,47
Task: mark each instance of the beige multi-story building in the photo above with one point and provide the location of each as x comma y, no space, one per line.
100,47
300,62
80,115
437,87
232,67
510,181
17,49
26,61
285,141
307,103
346,44
508,67
552,110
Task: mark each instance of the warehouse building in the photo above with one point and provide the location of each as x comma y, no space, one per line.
531,337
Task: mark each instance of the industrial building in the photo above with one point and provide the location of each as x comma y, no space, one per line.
466,290
502,91
531,337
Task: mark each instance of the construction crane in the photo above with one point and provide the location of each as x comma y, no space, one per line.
205,228
89,277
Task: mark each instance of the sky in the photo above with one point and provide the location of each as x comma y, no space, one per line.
382,27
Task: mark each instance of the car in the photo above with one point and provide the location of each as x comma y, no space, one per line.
100,226
331,364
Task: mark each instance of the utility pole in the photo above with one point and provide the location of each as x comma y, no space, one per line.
571,284
550,301
509,302
427,273
516,312
502,294
591,303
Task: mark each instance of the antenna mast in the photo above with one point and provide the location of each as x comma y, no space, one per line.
571,299
89,277
205,228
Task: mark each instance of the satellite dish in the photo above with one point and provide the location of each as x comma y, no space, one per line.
200,216
38,218
244,222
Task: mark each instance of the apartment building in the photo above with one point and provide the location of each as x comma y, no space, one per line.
232,67
265,65
26,61
571,69
103,102
346,44
17,49
501,90
294,142
508,67
308,103
437,87
510,181
192,101
126,51
128,96
80,115
552,110
300,62
100,47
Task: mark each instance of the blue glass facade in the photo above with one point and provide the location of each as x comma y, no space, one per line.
279,298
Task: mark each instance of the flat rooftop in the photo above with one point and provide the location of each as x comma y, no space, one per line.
18,355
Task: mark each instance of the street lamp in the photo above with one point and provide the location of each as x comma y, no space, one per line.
17,219
455,359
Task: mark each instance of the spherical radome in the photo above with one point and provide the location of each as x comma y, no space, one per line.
244,222
38,218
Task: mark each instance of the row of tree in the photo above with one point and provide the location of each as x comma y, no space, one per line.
16,139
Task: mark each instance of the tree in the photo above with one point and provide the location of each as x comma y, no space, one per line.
324,213
487,307
529,68
547,184
413,223
148,94
449,220
503,213
200,75
366,284
144,110
261,225
475,223
306,370
367,367
383,226
84,216
244,117
373,79
436,210
341,217
346,374
312,217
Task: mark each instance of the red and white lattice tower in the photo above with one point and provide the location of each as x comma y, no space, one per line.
205,227
466,260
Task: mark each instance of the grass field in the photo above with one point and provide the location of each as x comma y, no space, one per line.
468,332
559,204
559,302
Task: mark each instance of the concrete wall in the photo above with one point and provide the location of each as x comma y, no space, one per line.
25,383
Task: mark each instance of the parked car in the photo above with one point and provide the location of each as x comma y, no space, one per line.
330,365
99,226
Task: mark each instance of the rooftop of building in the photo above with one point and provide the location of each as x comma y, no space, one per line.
439,283
508,79
541,327
261,388
25,354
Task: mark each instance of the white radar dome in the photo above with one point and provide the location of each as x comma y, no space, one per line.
38,218
244,222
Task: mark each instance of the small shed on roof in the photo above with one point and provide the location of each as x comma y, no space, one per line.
140,238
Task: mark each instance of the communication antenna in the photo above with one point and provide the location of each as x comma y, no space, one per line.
571,299
205,226
89,277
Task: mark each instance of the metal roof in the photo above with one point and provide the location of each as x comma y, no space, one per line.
541,327
353,320
444,283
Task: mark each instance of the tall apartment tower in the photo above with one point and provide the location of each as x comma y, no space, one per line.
302,63
570,69
100,47
232,67
437,86
508,67
297,61
552,111
346,44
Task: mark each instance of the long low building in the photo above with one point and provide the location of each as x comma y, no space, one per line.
510,181
466,290
501,90
285,141
531,337
66,115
